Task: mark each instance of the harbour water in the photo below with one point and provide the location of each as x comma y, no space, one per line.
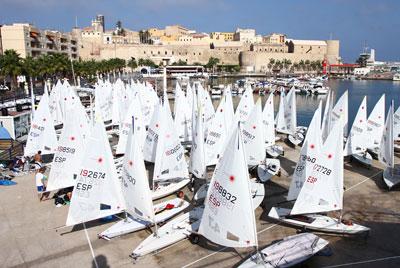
306,104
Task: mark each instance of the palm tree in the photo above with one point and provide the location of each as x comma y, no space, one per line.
30,68
132,63
11,65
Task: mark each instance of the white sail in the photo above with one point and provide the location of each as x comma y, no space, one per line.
308,154
69,153
396,125
386,152
228,217
170,160
134,112
97,190
376,123
268,121
42,135
197,154
323,189
54,104
217,132
150,143
340,111
245,105
327,117
357,140
183,116
253,139
291,112
280,117
134,181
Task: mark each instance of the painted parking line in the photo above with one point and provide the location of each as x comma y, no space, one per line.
363,262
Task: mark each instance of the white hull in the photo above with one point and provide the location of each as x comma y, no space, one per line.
275,150
363,158
130,224
391,176
296,139
170,233
316,222
287,252
270,169
257,191
165,189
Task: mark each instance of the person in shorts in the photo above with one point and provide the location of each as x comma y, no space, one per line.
41,180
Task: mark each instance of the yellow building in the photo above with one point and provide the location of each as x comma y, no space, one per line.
221,36
27,40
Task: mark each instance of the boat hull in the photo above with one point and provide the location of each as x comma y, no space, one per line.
271,168
167,189
275,150
316,222
363,158
391,177
172,232
131,224
283,253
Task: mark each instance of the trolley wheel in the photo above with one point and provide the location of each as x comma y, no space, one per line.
180,194
194,239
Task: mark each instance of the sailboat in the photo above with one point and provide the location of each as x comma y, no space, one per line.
229,198
197,154
357,140
245,105
340,112
97,191
296,133
134,111
42,135
182,113
322,192
69,152
391,174
308,154
219,129
253,136
170,168
375,126
141,213
274,150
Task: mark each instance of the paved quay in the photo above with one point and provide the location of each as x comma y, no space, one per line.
29,236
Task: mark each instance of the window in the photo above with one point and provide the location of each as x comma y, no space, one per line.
166,53
159,52
144,52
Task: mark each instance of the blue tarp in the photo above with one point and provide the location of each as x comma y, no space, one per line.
7,182
4,135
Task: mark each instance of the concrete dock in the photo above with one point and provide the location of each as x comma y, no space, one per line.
29,236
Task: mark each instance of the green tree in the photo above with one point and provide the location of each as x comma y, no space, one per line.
132,63
11,65
212,63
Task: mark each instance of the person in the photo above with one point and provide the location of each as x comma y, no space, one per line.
41,180
37,159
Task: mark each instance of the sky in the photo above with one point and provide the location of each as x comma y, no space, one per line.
353,22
